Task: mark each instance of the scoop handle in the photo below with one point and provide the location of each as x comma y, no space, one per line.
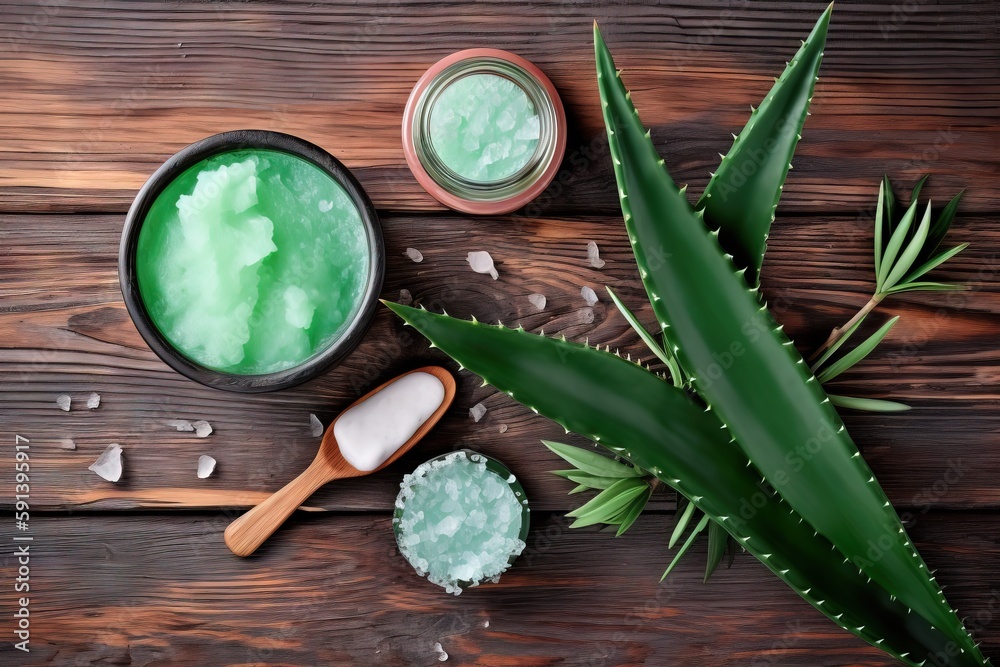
244,535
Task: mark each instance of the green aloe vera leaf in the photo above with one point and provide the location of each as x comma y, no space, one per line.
940,228
683,519
586,479
894,245
830,351
910,251
915,194
718,539
857,354
647,338
605,502
933,263
636,414
928,287
743,193
879,226
579,488
638,505
684,547
890,210
868,404
591,462
749,373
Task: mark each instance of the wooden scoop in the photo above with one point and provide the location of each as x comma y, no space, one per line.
248,532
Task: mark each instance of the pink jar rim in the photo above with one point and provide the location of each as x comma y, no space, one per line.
483,207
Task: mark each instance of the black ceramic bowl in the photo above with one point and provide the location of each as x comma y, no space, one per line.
346,341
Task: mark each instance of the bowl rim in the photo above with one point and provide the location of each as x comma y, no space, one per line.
501,470
177,164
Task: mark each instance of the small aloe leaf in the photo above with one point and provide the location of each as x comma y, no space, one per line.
830,351
633,512
683,519
647,338
586,479
879,226
857,354
910,252
928,287
718,540
890,211
868,404
579,488
591,462
894,246
605,506
684,547
743,193
940,228
915,195
933,263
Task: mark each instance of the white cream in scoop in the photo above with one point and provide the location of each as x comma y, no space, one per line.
368,433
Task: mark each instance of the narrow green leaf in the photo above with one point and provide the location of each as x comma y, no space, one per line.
578,489
890,211
586,479
591,462
687,545
608,502
857,354
683,519
928,287
633,512
895,245
915,195
718,539
867,404
940,227
910,253
666,357
933,263
879,225
836,346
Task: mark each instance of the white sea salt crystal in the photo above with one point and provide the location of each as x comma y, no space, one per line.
586,315
64,401
442,655
93,401
503,428
202,428
594,256
405,298
482,262
315,426
109,464
486,623
477,411
415,255
537,300
588,295
67,443
180,424
206,466
325,205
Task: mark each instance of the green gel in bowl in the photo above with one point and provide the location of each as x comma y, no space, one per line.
252,261
484,127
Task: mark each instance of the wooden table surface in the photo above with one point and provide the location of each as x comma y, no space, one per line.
96,94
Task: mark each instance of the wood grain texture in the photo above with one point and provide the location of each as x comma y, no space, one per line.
99,93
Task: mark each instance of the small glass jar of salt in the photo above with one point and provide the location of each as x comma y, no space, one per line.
461,519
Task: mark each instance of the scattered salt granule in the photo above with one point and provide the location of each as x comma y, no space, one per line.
594,256
486,623
315,425
415,255
586,315
67,443
63,401
503,428
482,262
109,464
180,424
325,205
589,295
206,466
537,300
477,411
405,298
93,401
202,428
442,655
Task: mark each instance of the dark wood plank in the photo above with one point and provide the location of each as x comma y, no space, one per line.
99,93
63,328
332,590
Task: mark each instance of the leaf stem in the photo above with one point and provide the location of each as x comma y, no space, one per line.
837,332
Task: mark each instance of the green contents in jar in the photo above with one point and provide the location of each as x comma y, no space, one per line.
252,261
